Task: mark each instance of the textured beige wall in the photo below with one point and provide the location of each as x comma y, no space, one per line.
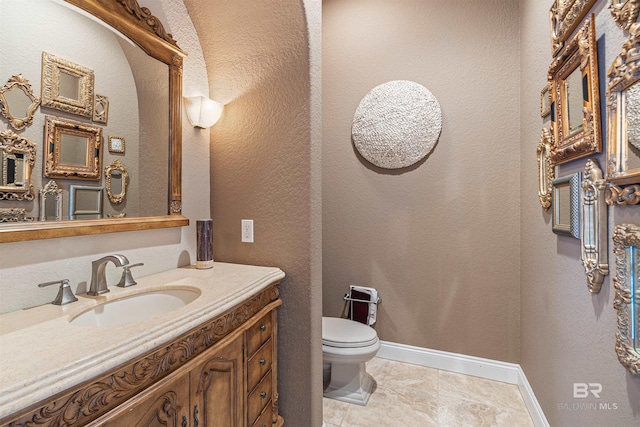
568,334
440,240
264,166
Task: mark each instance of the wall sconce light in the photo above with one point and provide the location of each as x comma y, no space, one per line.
202,111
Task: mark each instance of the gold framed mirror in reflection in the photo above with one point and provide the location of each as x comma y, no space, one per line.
18,102
67,86
626,247
116,178
575,99
17,158
155,62
623,118
73,149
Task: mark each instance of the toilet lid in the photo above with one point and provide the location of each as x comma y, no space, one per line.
345,333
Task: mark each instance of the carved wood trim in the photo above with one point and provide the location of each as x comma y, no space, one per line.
88,401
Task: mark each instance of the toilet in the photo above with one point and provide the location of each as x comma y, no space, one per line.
346,346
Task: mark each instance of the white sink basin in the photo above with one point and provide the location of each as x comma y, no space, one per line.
136,307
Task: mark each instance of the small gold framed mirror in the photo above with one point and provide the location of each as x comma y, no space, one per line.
623,118
565,15
545,101
575,99
67,86
626,247
546,172
116,179
624,12
100,108
17,159
73,149
18,102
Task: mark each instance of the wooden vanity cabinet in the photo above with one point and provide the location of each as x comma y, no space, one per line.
220,374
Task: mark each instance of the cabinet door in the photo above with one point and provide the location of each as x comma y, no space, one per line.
217,390
165,404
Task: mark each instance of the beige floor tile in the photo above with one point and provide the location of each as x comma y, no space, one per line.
334,411
454,412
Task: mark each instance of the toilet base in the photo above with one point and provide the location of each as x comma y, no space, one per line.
350,383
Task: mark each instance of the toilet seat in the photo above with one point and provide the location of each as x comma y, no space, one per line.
345,333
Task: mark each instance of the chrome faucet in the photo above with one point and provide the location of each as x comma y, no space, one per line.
98,277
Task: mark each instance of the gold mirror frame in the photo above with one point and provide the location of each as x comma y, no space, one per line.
626,13
100,108
627,275
580,52
116,166
13,215
545,101
624,72
18,82
54,165
11,143
546,173
594,226
146,31
52,67
565,15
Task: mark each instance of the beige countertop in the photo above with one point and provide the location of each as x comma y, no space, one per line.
42,353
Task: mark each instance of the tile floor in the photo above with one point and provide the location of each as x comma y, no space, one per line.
411,395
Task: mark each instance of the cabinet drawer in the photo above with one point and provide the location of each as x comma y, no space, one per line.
265,419
259,333
259,364
259,398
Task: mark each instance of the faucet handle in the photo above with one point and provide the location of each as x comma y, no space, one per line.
127,279
65,294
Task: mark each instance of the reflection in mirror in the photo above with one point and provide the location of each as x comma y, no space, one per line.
100,108
566,205
13,215
141,81
573,97
17,158
85,201
18,102
626,240
74,149
116,178
67,86
50,202
623,109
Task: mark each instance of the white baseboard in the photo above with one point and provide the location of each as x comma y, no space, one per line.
470,365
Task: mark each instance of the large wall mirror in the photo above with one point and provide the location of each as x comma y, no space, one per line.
623,116
626,241
138,68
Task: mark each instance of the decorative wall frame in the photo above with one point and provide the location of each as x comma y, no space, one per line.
73,149
13,215
85,201
19,104
575,113
626,247
111,172
67,86
546,172
545,101
100,108
566,205
17,159
594,253
623,105
565,15
49,191
624,12
116,144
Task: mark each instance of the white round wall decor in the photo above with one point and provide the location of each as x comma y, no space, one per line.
397,124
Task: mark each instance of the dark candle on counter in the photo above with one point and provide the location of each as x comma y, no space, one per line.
204,242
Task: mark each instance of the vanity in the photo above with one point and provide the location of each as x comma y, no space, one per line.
210,361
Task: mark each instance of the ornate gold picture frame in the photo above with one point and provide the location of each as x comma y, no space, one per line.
19,104
623,118
116,144
624,12
575,99
545,101
100,108
546,173
626,247
116,172
17,159
67,86
73,149
594,226
565,15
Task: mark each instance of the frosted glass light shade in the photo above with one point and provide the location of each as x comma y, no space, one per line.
202,111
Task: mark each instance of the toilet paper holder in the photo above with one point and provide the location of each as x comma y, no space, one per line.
347,297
